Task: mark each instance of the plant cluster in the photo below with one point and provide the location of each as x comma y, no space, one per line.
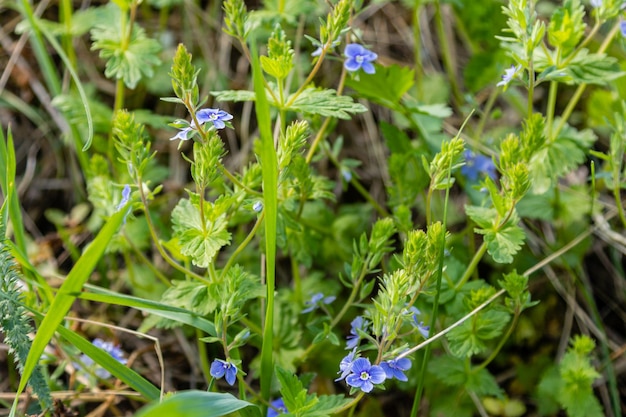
300,291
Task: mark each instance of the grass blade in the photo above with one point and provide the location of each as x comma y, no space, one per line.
195,404
67,294
270,198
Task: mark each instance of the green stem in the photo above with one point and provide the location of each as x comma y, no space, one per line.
242,246
551,105
486,113
446,54
433,320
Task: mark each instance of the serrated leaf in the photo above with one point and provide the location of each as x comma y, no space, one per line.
589,68
128,61
386,86
327,103
482,383
191,295
505,243
293,393
484,217
233,95
199,241
469,338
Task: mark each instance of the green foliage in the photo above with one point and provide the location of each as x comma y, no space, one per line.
194,404
570,382
200,228
184,77
301,404
447,160
566,26
235,19
14,317
127,58
503,239
279,61
327,103
386,87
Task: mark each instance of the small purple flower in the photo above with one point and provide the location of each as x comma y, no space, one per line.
125,199
477,165
316,301
364,375
509,73
276,407
359,323
215,116
108,347
596,3
345,366
359,57
622,26
183,134
257,206
395,368
419,324
346,174
219,368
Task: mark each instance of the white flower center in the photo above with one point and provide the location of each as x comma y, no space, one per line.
364,376
359,58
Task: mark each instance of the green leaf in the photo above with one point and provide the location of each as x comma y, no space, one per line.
505,243
194,404
293,393
102,358
386,86
589,68
482,383
233,95
200,237
558,157
327,103
66,295
469,338
103,295
128,61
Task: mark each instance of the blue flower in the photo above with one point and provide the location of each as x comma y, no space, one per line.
357,324
108,347
215,116
596,3
183,134
125,199
219,368
395,368
419,324
345,366
622,27
257,206
359,57
364,375
477,165
276,407
509,73
316,301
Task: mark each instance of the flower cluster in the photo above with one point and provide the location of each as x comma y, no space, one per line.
112,349
220,368
219,119
361,374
